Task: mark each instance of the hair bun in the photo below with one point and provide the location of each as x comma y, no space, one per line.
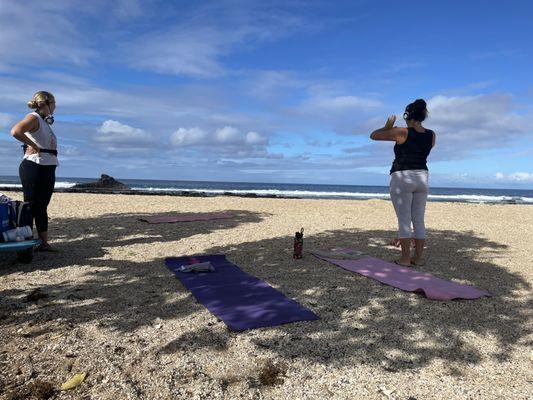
416,110
419,104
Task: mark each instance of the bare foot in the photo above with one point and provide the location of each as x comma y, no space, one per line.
419,262
46,247
396,242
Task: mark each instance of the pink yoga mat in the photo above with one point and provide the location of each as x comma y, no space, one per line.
186,218
408,279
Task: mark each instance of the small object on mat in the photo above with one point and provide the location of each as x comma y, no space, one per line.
298,244
198,267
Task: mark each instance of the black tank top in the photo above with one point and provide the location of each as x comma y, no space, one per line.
413,153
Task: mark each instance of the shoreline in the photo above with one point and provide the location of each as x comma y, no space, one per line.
195,193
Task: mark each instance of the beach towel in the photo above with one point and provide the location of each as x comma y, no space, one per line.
162,219
408,279
240,300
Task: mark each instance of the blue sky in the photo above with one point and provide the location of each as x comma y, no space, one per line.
273,91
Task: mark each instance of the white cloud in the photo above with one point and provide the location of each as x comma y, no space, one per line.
515,177
255,138
113,132
334,103
77,96
228,134
271,84
223,142
188,137
193,53
69,151
196,41
474,111
341,103
469,123
36,33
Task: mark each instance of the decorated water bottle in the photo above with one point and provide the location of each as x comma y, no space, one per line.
298,244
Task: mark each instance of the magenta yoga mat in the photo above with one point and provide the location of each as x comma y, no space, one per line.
408,279
169,219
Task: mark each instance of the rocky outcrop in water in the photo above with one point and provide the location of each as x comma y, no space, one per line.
105,182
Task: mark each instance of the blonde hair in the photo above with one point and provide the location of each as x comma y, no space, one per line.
40,99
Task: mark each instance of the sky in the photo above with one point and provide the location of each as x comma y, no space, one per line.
287,91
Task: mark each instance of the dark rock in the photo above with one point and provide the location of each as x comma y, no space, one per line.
41,390
271,373
36,295
105,182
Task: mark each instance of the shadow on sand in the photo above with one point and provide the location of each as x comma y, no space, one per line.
127,293
373,323
361,320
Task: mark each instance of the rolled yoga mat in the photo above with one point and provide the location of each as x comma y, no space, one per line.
241,300
408,279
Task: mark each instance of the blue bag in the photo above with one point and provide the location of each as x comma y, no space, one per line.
19,214
4,217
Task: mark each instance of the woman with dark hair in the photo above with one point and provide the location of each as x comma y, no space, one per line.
409,177
38,167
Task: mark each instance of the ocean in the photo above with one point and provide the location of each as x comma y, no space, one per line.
310,191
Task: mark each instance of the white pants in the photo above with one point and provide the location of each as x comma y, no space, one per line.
409,192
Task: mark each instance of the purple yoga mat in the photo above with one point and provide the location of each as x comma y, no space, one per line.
241,300
186,218
408,279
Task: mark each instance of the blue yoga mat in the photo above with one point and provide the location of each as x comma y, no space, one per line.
241,300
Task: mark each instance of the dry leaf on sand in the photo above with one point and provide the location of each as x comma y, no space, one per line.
73,382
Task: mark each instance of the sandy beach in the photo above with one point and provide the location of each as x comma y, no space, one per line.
107,306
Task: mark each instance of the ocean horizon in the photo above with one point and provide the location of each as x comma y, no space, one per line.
292,190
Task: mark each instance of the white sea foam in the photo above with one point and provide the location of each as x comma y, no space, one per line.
271,192
346,195
475,198
465,198
58,185
64,185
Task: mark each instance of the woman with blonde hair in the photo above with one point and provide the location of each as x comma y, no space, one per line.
409,177
37,169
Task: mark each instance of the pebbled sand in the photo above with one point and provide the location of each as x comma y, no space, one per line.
110,308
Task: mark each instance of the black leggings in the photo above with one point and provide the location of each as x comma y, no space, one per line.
38,185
